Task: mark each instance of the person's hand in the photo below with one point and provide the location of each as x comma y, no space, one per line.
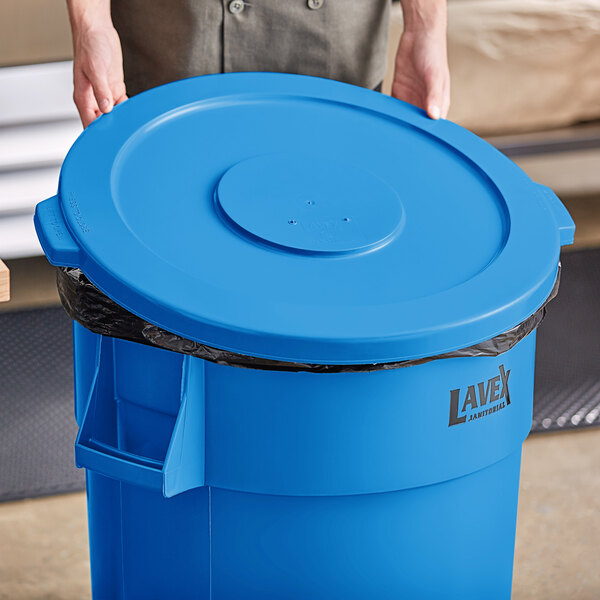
421,74
98,82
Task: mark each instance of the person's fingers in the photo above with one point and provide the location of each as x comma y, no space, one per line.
433,110
119,93
435,101
102,92
446,101
85,101
406,93
88,115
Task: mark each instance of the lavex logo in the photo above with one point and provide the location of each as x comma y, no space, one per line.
479,395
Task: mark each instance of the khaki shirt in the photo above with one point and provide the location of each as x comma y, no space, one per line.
166,40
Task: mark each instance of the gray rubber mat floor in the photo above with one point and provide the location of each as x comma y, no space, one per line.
37,427
567,379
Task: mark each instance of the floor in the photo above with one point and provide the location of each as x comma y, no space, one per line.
558,526
43,542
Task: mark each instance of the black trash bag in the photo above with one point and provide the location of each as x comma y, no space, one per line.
87,305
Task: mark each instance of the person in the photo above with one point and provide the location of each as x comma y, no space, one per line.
126,46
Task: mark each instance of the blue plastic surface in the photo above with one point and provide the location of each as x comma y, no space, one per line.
303,219
299,485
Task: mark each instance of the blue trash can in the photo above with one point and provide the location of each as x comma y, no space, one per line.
305,369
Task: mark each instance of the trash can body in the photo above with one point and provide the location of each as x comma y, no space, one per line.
373,268
342,485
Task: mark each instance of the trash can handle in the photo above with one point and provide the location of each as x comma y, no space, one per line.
54,235
183,466
561,216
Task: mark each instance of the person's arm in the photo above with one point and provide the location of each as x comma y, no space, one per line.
421,74
97,59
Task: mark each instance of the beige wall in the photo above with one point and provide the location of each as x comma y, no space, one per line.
33,31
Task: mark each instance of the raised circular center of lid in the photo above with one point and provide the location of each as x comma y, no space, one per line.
309,204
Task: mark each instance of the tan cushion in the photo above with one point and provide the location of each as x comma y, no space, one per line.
520,64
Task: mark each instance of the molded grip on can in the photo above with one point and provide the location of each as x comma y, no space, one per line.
183,466
54,235
564,222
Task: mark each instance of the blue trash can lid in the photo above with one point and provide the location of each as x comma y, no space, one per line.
302,219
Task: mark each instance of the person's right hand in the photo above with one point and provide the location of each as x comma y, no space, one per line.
98,82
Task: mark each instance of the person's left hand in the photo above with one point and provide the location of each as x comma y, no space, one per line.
421,74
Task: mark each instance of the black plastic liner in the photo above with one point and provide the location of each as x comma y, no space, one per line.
87,305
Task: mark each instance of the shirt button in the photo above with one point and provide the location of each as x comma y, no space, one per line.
314,4
237,6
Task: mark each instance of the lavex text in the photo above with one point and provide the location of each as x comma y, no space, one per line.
478,396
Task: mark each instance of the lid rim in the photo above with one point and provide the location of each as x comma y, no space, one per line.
515,282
